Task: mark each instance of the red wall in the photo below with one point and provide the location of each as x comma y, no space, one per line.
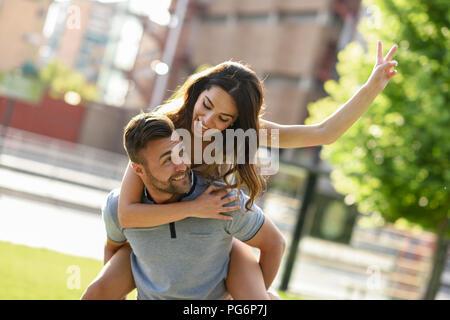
49,117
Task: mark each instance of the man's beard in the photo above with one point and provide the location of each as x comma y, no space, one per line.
170,186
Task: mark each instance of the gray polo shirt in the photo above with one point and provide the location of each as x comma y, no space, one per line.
187,259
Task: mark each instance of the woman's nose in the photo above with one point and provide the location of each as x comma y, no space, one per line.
207,119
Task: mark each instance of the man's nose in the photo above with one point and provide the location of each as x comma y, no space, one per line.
181,167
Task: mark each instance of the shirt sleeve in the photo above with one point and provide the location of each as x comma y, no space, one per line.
109,213
245,226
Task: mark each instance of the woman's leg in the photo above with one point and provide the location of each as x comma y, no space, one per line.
115,280
245,279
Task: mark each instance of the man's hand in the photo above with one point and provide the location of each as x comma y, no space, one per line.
383,70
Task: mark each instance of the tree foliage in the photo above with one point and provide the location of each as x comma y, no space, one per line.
61,79
395,159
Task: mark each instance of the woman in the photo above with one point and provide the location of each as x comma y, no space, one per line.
228,95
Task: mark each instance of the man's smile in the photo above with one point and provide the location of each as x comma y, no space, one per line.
180,177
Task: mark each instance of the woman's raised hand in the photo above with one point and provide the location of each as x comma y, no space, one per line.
383,70
210,204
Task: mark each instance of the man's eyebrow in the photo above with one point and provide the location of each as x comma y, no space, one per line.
225,114
165,154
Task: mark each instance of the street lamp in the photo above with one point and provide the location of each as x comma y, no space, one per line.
169,53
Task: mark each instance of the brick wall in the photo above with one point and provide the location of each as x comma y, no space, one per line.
49,117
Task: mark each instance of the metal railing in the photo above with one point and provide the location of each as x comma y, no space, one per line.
62,160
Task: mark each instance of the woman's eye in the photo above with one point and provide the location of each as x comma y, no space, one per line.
206,107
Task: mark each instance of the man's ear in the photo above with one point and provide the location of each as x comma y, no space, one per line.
137,168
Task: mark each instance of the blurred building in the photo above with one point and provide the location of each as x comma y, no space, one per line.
291,44
100,40
113,44
142,74
21,25
78,34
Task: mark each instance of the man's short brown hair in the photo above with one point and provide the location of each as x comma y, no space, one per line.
143,128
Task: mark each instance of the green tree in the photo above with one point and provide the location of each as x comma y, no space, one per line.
395,159
61,79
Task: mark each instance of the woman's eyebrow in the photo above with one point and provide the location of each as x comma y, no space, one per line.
225,114
209,100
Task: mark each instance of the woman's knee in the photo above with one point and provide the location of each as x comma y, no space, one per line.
97,290
115,280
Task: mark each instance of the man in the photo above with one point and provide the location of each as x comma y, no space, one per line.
187,259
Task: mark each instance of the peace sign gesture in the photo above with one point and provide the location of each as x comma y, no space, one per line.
383,70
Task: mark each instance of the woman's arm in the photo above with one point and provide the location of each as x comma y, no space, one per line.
294,136
133,214
329,130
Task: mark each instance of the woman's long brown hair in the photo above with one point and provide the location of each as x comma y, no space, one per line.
243,85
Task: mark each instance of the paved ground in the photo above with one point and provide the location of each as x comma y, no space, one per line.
46,202
43,225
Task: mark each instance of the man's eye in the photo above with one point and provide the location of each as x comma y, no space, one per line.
223,120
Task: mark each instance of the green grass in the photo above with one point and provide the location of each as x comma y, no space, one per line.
40,274
31,273
289,296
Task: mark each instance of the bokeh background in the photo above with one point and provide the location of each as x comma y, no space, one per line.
366,217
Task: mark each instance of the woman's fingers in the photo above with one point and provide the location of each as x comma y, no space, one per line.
388,56
230,209
379,52
223,217
392,73
230,199
391,53
212,188
390,64
222,193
